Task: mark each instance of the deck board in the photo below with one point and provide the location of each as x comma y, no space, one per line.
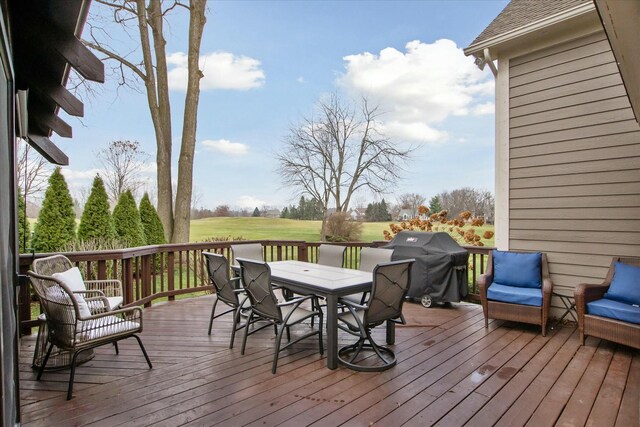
451,371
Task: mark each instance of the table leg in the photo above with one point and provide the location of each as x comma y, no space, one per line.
332,331
391,332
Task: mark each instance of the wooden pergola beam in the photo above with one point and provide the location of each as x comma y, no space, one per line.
48,149
50,39
48,120
53,91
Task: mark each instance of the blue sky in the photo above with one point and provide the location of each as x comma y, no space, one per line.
266,64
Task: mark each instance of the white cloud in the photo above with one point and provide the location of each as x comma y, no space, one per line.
414,131
419,88
79,176
301,80
486,108
221,70
250,202
148,168
225,146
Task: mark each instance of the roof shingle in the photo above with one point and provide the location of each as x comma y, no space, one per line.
519,13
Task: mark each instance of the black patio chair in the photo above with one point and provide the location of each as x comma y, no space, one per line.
369,259
256,278
227,291
390,285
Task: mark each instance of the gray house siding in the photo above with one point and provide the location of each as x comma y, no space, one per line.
574,160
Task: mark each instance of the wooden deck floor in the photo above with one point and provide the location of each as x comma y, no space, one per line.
450,372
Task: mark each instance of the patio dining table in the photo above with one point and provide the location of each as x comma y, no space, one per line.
329,282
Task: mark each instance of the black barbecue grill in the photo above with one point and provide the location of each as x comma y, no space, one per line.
439,273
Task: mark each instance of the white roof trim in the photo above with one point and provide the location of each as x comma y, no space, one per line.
478,48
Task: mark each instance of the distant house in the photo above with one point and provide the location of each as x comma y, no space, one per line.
357,214
405,215
271,213
567,141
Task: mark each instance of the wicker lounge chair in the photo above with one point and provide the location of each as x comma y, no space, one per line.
227,291
74,328
611,310
256,277
518,290
390,285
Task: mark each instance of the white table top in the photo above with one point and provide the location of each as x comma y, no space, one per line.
320,277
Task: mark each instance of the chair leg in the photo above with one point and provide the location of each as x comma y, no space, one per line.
374,346
234,328
115,344
321,343
143,351
213,311
44,362
358,346
274,366
73,374
288,334
246,332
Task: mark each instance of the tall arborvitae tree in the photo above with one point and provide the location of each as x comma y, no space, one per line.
55,229
153,231
23,225
96,223
126,220
434,205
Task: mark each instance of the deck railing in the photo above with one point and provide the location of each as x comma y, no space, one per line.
157,272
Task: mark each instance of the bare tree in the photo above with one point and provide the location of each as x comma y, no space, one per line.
121,162
478,202
411,201
145,20
337,152
32,169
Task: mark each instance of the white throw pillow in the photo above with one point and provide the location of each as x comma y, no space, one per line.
72,279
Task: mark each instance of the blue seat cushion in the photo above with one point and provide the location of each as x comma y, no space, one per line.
625,286
523,270
611,309
515,295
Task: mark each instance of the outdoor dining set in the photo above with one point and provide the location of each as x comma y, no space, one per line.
304,299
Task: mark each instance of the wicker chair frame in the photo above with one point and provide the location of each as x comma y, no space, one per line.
601,327
71,332
516,312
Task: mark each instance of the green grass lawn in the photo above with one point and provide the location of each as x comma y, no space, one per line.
280,229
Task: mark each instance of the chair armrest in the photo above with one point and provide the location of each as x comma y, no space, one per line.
585,293
110,287
297,300
484,281
352,304
130,313
547,286
91,293
235,282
